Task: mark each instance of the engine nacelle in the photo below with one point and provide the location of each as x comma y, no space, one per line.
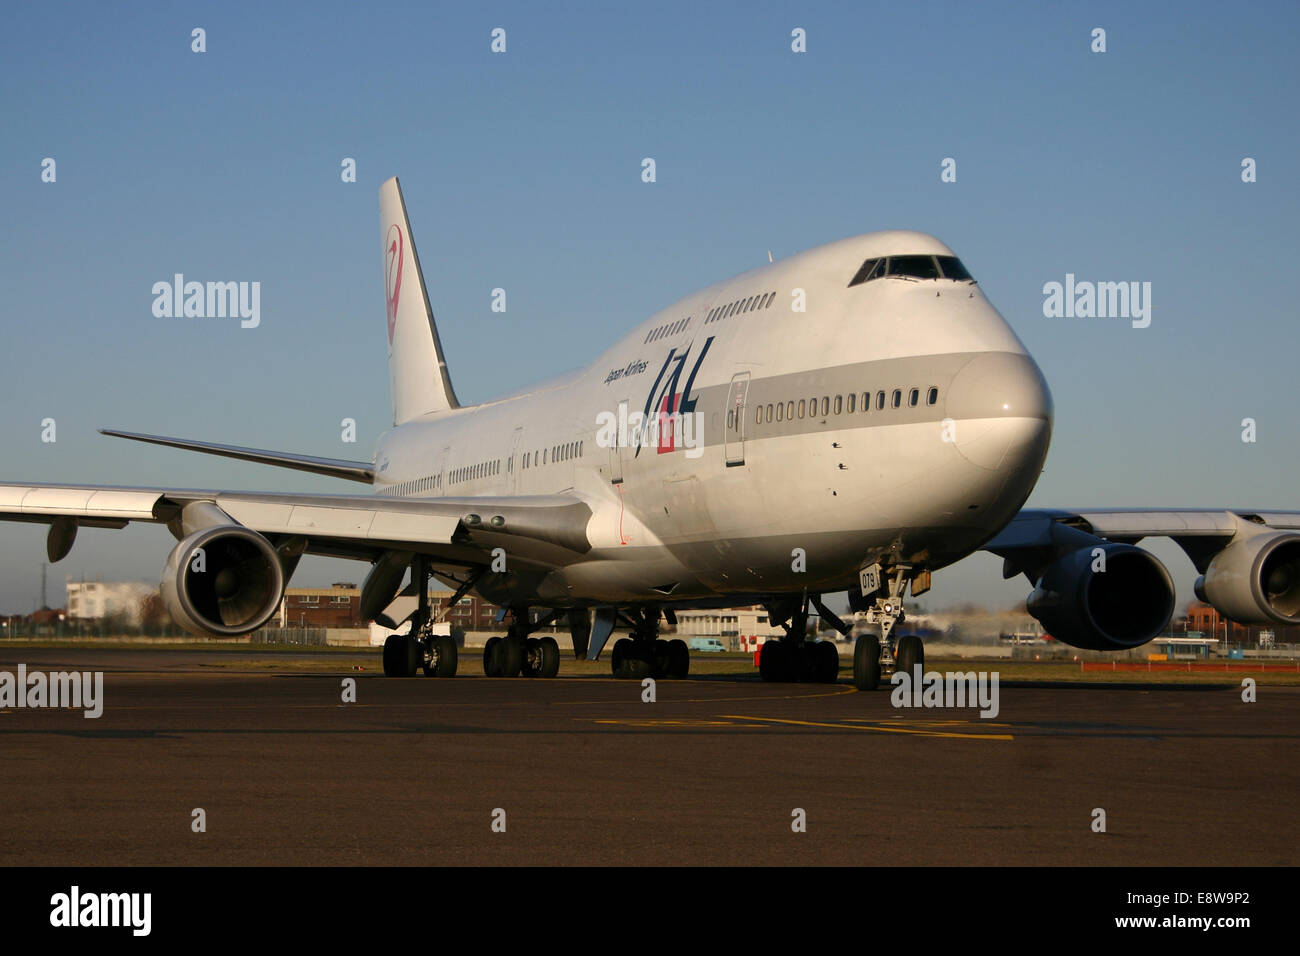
225,580
1256,580
1124,606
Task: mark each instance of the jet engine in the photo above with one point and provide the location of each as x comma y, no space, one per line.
1123,606
225,580
1255,580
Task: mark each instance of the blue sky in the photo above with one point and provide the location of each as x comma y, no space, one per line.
522,170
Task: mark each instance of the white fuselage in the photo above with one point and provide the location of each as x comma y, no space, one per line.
771,496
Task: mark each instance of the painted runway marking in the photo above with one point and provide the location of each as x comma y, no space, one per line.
926,723
878,728
661,723
707,700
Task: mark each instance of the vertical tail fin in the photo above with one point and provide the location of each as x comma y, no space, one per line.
416,367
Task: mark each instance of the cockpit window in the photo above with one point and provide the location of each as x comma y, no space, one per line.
912,267
953,269
871,269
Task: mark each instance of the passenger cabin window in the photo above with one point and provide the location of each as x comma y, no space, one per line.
913,397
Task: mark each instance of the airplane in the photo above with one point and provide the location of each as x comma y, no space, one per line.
849,418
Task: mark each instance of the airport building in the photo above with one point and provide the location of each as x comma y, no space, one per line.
1203,621
101,600
336,606
340,606
729,625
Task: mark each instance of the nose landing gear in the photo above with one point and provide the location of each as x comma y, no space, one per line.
877,657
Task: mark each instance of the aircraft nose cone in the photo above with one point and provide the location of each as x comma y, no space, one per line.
1001,410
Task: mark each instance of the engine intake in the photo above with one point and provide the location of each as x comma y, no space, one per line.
225,580
1122,607
1256,580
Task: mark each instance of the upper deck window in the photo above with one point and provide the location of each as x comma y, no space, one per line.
912,267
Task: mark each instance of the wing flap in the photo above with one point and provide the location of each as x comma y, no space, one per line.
1124,524
130,504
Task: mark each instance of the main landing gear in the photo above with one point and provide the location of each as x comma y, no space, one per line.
794,657
644,654
517,654
435,654
874,657
421,647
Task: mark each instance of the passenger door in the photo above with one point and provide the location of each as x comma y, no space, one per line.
512,465
615,450
734,419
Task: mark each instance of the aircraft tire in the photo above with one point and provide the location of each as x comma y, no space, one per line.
866,663
910,652
550,657
825,663
490,666
510,657
773,661
623,650
448,656
399,654
679,659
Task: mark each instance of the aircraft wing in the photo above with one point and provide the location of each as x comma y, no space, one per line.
544,528
362,471
1038,532
1094,589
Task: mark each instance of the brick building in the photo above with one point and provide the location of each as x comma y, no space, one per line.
1205,619
340,606
337,606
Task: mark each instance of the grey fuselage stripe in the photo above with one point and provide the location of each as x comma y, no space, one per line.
921,372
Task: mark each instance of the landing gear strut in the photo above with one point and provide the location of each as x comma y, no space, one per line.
794,657
644,654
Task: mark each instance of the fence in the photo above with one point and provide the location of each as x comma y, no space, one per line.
306,636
